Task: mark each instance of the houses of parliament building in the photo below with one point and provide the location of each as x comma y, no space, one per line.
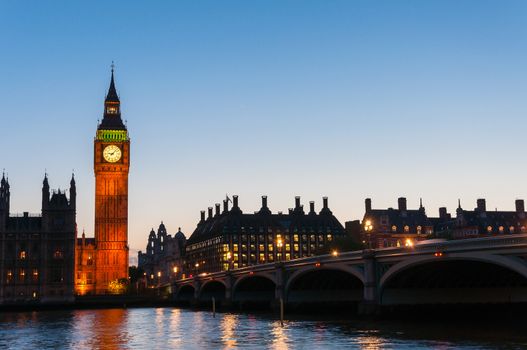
41,258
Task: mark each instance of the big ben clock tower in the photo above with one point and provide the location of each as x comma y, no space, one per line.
111,165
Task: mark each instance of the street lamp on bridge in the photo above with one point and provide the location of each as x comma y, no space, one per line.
279,245
368,227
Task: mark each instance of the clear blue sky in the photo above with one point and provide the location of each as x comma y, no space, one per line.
349,99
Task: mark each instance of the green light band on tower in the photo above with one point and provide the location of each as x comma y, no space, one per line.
112,135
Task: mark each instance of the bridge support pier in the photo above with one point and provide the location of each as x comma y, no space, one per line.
370,304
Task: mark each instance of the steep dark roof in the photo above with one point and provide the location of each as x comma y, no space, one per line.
492,218
234,221
112,121
400,218
112,92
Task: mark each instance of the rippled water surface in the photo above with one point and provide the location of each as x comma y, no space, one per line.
164,328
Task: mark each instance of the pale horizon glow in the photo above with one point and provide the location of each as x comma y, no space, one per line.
344,99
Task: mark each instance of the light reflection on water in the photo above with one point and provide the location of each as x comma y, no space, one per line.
171,328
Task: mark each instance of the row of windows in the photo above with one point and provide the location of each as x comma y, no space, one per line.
22,275
419,229
23,254
287,238
501,229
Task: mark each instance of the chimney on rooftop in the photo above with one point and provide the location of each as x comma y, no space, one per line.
367,204
520,206
402,203
210,213
481,205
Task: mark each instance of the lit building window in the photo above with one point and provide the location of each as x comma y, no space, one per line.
418,230
489,229
22,254
394,228
57,254
501,229
511,229
407,228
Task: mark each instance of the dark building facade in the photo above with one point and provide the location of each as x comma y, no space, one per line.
228,239
481,222
163,259
382,228
37,251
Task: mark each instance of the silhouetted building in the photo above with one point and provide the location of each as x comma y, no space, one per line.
37,250
231,239
163,258
381,228
483,223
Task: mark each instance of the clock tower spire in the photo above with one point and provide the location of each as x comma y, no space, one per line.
111,166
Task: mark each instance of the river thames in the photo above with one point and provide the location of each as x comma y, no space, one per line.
173,328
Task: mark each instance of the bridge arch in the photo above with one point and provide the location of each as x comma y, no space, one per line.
331,284
185,293
212,288
454,278
254,288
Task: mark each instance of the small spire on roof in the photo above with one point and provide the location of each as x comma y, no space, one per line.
459,203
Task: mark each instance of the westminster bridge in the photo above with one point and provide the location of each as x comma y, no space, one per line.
481,270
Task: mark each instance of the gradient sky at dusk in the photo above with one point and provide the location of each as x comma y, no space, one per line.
345,99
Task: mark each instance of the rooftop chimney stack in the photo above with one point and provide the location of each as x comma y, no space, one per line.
481,205
217,209
225,206
311,207
264,201
235,201
402,203
443,213
520,206
325,202
367,204
210,213
202,215
297,202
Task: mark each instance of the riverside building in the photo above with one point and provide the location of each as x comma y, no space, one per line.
226,239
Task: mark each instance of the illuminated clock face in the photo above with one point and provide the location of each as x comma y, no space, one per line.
112,153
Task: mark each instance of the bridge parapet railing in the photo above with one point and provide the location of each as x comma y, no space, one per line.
462,244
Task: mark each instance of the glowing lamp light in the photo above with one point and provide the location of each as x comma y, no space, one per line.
159,274
335,253
317,264
438,254
408,243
